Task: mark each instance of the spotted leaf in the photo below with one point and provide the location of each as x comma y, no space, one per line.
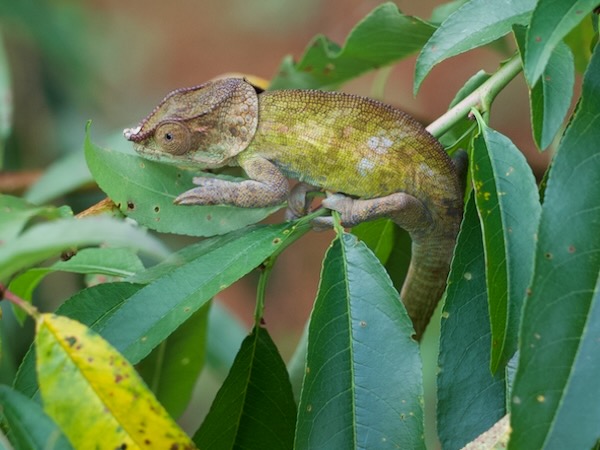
94,394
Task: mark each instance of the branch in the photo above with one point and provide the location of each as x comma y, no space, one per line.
28,308
481,98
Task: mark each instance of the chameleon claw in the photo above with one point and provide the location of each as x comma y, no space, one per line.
192,197
324,223
183,200
337,202
290,214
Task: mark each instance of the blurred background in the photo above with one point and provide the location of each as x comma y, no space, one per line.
113,61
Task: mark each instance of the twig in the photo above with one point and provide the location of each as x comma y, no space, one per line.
27,307
481,98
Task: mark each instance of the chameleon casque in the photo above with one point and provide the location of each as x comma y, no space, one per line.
372,160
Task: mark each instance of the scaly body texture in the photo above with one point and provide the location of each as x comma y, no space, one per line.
378,160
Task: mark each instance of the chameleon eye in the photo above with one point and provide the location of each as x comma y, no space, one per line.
174,138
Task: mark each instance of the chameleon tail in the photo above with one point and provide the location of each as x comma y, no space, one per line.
431,257
426,279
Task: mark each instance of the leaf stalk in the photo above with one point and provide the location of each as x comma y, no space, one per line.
481,98
303,226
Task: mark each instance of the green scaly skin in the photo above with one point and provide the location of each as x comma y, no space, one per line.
377,160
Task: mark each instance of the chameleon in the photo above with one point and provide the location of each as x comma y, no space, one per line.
371,159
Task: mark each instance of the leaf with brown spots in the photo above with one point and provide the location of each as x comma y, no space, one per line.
556,390
94,394
255,406
144,190
508,206
470,398
551,96
550,22
362,384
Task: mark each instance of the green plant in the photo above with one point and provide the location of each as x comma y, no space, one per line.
519,326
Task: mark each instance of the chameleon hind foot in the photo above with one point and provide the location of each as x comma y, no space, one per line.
404,209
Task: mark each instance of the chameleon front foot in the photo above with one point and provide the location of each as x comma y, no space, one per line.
244,194
404,209
298,201
339,203
207,192
191,197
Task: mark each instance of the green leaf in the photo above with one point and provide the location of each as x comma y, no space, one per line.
470,398
6,104
70,172
89,306
62,177
186,255
297,363
28,425
551,96
171,370
153,313
441,12
8,360
16,214
399,259
551,21
473,25
460,135
115,262
581,42
378,235
556,390
390,244
509,208
472,83
93,306
112,406
144,190
254,409
46,240
4,443
385,35
362,387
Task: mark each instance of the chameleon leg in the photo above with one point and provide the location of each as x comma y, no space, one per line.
266,187
404,209
298,204
432,247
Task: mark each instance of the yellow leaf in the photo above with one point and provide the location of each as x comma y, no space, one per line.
95,395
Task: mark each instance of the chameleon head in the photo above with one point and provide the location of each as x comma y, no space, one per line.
202,126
